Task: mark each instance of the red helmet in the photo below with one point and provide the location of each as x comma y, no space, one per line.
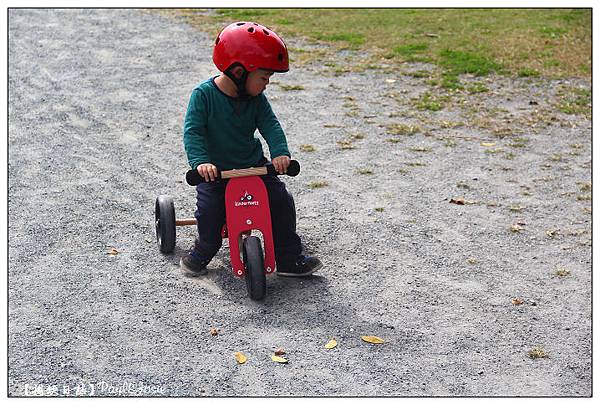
252,45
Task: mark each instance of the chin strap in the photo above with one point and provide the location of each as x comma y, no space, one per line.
240,83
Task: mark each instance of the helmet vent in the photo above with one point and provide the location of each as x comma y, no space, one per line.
240,23
251,29
266,32
217,41
280,57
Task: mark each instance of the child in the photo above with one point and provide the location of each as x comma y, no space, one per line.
222,116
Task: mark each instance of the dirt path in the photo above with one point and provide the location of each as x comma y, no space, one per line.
96,103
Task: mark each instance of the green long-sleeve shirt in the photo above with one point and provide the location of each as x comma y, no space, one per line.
219,129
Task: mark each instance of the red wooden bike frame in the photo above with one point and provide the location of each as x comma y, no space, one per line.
247,209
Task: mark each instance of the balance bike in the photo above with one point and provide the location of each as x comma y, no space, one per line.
246,209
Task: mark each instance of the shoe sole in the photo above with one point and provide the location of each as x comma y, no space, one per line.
191,272
319,266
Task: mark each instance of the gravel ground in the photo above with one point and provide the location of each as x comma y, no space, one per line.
96,104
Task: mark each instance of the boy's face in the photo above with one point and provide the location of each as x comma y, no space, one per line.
257,81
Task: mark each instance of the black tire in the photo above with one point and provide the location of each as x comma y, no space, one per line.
164,216
256,282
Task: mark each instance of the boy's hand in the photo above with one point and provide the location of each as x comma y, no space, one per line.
208,171
281,164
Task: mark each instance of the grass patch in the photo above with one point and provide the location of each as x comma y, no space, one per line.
527,72
402,129
307,147
459,62
352,39
420,149
346,144
428,102
411,52
449,143
419,74
555,42
519,143
317,184
576,101
410,49
286,87
585,186
477,88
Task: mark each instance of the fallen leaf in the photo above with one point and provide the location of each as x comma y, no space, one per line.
214,331
517,301
488,144
279,351
331,344
112,252
537,353
278,359
472,260
516,228
562,272
458,201
552,233
390,80
372,339
239,356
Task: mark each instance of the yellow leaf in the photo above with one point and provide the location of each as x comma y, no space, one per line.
487,144
331,344
239,356
112,252
278,359
517,301
373,339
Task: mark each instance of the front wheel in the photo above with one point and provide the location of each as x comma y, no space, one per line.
256,281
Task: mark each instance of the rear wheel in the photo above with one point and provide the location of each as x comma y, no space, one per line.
164,216
256,282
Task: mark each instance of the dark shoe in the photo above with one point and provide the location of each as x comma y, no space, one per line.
194,265
302,267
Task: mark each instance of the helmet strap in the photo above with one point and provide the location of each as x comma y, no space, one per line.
239,82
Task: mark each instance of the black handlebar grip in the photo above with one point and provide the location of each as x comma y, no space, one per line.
193,178
292,170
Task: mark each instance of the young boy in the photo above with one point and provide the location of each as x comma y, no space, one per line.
222,116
